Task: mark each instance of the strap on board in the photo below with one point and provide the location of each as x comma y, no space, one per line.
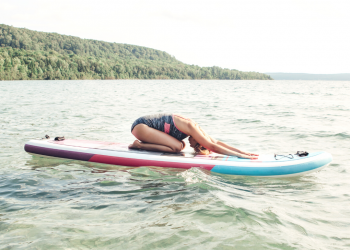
59,138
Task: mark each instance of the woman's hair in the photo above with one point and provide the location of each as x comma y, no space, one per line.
199,149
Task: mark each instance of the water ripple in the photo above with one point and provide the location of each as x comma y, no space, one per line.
63,204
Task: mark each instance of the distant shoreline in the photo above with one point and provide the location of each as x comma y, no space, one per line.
305,76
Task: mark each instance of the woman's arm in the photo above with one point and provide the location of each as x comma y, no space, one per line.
234,149
211,144
229,147
224,144
206,135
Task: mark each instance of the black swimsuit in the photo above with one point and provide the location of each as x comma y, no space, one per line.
161,122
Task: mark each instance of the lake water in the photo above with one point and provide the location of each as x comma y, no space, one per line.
65,204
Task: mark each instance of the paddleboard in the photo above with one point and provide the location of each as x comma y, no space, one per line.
120,154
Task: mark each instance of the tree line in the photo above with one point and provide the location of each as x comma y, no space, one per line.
32,55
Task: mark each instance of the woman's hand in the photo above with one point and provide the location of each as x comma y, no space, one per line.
250,154
247,156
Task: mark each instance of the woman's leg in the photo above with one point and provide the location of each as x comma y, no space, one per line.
155,140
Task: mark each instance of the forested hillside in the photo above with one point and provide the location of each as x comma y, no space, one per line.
27,54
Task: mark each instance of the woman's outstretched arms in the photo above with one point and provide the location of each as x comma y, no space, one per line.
214,145
224,144
189,127
234,149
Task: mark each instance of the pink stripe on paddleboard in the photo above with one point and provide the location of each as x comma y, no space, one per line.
141,162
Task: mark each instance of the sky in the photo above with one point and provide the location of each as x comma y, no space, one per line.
292,36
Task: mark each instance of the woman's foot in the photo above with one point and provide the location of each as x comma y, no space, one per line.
136,144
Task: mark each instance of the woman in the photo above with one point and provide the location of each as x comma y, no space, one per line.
166,132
